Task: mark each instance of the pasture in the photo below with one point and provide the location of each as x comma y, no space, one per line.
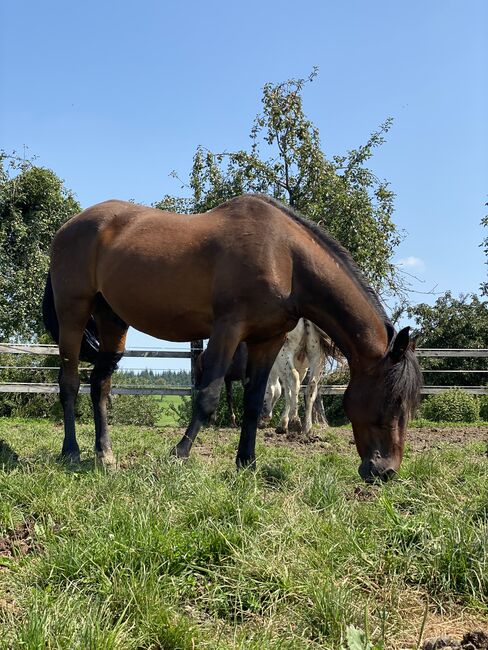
163,555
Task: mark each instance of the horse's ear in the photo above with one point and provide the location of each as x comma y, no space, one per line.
400,345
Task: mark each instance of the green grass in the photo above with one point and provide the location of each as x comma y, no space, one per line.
167,416
160,555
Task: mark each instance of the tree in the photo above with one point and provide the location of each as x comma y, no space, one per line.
484,244
452,323
286,161
33,205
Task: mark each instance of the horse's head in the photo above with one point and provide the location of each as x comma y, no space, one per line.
379,403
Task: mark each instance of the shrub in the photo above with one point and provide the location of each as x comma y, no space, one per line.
123,409
451,406
334,410
143,410
484,408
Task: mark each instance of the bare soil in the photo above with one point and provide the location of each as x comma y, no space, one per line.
418,439
476,640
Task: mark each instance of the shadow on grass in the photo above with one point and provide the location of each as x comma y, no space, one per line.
9,459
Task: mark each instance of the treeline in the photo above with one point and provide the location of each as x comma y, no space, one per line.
163,379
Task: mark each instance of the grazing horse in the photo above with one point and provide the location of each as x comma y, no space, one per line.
305,348
247,270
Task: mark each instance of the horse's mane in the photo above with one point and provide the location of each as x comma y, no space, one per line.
336,250
404,379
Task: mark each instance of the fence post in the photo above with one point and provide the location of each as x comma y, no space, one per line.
196,351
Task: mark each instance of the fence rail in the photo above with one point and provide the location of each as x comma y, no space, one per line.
52,350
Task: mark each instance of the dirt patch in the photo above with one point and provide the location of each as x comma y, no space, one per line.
418,440
18,541
476,640
325,440
436,437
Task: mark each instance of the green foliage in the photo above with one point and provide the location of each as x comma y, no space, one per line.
451,406
33,205
358,640
452,323
142,410
484,408
286,161
123,409
484,245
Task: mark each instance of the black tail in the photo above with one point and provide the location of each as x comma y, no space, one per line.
89,344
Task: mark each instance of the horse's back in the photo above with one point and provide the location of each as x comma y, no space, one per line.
164,272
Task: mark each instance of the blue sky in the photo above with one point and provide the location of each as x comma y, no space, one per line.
113,96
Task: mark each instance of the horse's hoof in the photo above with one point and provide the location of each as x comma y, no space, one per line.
246,463
295,425
177,454
71,458
106,459
263,423
281,430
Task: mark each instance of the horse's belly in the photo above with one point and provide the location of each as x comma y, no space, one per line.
166,310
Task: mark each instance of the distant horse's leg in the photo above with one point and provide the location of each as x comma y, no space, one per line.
260,360
271,396
72,321
218,356
316,371
289,418
230,402
112,332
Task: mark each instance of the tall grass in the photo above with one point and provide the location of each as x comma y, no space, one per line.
160,555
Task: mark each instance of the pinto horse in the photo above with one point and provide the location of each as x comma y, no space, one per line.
244,271
306,349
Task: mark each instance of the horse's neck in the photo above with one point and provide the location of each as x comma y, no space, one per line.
332,299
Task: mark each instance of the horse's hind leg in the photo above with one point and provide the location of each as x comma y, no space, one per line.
218,356
72,317
112,332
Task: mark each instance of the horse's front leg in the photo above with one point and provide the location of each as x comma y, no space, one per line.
260,360
216,361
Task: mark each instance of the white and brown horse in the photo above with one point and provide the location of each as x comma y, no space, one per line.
306,349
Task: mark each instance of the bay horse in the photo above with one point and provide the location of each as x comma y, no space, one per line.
306,349
245,271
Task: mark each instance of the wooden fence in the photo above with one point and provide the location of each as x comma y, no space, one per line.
194,351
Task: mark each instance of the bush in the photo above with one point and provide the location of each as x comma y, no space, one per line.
123,409
334,410
484,408
451,406
143,410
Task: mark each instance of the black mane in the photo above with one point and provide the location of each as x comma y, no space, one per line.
403,379
338,251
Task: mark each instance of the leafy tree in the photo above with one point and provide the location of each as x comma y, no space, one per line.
33,205
452,323
484,244
286,161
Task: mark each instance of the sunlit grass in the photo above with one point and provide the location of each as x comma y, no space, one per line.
164,555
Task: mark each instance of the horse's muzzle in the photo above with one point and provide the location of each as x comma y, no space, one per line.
376,470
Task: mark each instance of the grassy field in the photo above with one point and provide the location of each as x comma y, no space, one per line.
160,555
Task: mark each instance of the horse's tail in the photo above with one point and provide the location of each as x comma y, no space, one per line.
89,344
